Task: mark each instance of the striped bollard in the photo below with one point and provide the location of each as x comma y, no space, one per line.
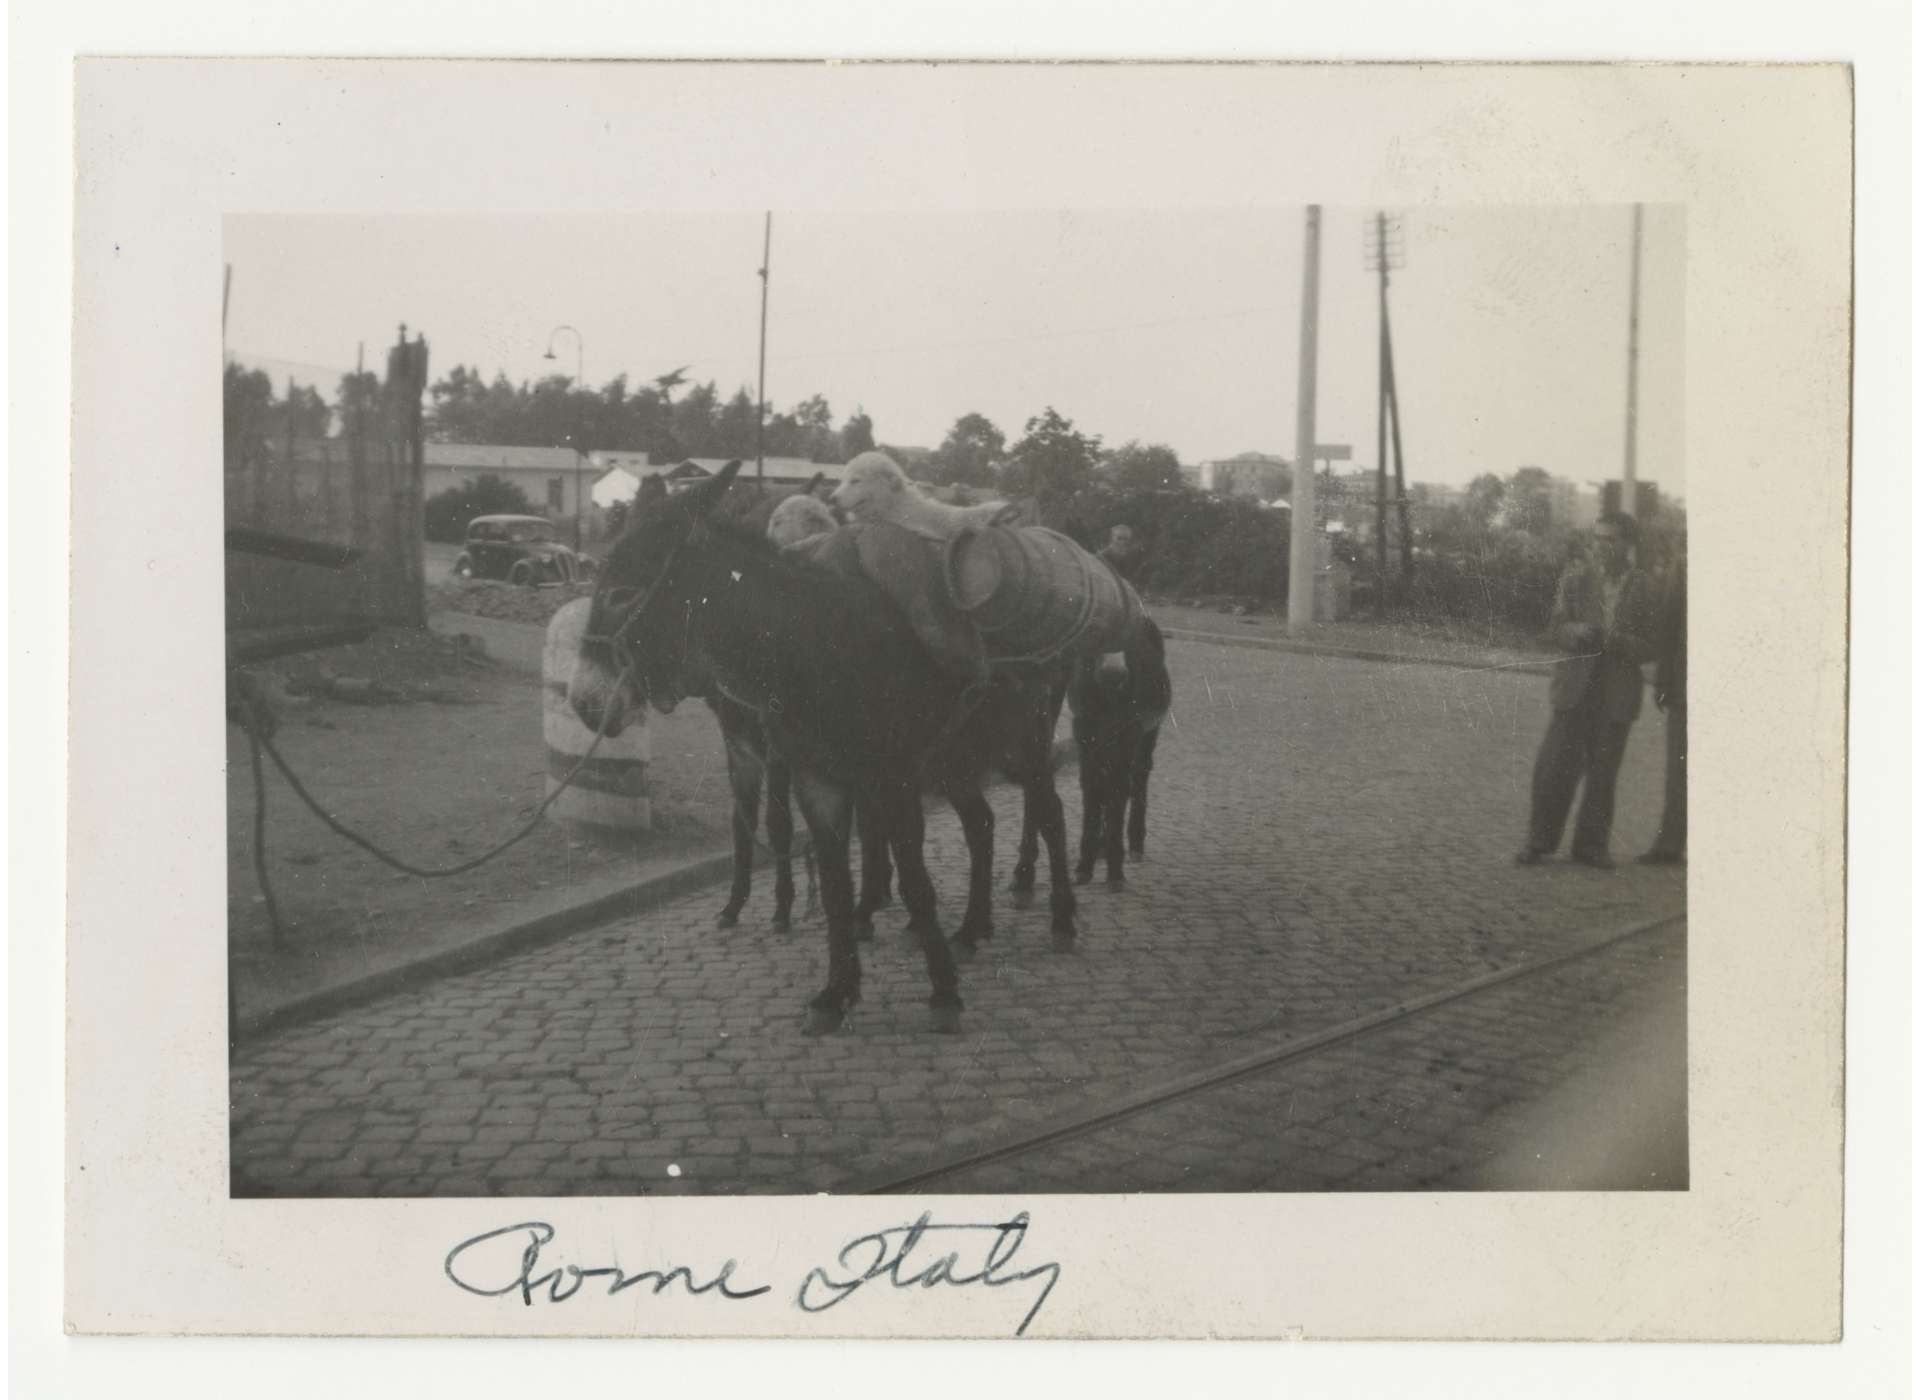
610,790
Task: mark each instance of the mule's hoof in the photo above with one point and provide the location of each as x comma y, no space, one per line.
782,923
964,950
1136,853
727,918
1116,882
821,1021
1083,877
943,1020
863,930
1022,898
1064,940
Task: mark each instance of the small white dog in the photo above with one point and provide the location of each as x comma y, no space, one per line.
876,489
799,518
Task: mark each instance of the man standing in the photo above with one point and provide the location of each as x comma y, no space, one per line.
1670,694
1119,552
1603,619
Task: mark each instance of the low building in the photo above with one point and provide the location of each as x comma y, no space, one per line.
1257,474
780,471
619,478
553,479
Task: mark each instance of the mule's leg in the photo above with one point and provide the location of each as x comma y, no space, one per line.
906,826
780,837
829,814
744,772
1092,802
1142,773
1051,818
876,866
907,822
977,821
1028,855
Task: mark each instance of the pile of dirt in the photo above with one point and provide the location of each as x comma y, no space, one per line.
505,601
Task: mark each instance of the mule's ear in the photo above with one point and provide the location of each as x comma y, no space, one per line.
707,496
813,485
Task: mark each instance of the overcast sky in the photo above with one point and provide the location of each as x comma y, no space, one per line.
1510,324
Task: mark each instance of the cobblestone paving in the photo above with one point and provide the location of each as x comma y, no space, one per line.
1572,1080
1327,837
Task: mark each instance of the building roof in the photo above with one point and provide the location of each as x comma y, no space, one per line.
780,468
489,457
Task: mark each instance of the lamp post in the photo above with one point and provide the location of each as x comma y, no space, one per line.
580,382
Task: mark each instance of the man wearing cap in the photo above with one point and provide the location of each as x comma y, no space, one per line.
1604,618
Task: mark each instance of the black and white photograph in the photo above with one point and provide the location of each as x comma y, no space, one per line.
960,700
1058,701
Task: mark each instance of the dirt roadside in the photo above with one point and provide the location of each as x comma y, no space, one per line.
435,754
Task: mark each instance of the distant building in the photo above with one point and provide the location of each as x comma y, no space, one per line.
619,476
1257,474
552,478
780,471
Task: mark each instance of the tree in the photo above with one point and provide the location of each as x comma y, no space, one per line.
694,420
246,401
1051,462
1529,504
969,455
1144,468
449,513
736,428
1486,493
857,436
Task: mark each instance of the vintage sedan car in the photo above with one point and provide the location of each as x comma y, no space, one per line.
519,548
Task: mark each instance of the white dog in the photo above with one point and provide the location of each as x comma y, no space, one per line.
799,518
876,489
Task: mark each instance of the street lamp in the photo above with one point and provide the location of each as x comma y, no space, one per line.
580,382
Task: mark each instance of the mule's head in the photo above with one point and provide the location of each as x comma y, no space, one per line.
638,647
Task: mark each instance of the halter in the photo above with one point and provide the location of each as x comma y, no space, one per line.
617,640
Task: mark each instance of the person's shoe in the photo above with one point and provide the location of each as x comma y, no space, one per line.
1529,856
1599,860
1661,858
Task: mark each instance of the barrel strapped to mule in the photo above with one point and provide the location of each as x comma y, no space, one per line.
1037,596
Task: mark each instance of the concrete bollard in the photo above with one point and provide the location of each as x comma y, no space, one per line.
610,791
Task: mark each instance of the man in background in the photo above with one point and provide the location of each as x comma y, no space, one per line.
1670,694
1120,553
1604,616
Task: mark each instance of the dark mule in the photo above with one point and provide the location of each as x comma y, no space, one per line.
1118,702
753,768
847,695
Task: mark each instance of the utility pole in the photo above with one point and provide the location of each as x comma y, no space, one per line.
1399,467
760,430
1628,487
1382,255
1303,556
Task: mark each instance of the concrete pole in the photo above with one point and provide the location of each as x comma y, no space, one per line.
1304,554
1629,491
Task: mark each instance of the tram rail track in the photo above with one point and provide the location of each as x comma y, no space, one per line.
1122,1107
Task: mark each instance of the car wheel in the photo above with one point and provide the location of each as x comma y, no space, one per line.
522,574
463,568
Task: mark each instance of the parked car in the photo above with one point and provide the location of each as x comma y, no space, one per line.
519,548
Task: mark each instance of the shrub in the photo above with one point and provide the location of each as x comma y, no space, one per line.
449,513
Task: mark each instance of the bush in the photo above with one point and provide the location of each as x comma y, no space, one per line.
1190,542
449,513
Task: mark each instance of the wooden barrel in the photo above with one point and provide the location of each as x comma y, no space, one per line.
1033,592
611,789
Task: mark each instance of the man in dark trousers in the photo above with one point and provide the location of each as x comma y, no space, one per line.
1670,694
1604,615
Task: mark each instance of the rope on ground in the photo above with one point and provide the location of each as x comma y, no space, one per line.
256,724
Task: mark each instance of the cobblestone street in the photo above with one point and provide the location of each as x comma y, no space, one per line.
1327,838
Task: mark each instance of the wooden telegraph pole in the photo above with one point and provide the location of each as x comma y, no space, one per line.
1304,556
1381,255
1629,489
760,433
